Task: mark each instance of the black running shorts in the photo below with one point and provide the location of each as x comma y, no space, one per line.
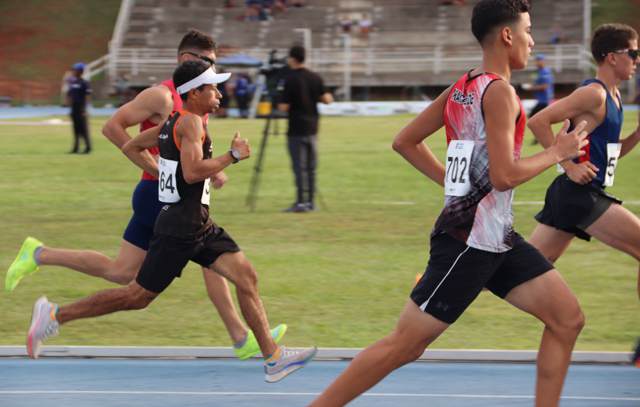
168,255
457,273
572,207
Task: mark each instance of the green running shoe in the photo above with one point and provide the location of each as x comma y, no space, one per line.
24,264
251,347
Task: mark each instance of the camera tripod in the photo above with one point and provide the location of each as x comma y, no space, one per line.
252,196
254,185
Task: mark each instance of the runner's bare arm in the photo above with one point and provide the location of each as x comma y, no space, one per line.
630,141
194,169
154,103
409,142
500,113
583,101
136,150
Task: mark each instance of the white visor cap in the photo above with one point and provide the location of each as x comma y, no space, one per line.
208,77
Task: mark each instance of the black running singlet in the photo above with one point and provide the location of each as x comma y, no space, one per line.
186,213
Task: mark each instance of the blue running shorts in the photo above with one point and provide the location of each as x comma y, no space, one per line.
146,208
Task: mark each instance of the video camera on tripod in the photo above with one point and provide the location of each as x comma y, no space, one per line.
275,71
272,78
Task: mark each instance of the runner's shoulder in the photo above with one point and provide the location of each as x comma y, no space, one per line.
500,93
188,122
592,95
158,98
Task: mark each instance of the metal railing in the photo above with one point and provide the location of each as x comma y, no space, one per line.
121,26
148,65
96,67
362,61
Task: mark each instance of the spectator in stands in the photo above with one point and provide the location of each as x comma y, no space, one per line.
252,10
542,88
297,3
345,24
242,92
556,35
279,6
264,12
365,24
78,97
302,91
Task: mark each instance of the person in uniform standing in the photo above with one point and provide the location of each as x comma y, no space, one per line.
78,97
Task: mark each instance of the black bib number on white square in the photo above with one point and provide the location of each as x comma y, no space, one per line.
456,180
613,153
167,184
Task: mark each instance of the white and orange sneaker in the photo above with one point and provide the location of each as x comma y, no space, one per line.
286,361
43,325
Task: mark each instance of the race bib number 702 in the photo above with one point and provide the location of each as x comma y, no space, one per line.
456,179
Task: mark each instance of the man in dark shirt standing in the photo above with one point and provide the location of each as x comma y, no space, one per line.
78,97
303,89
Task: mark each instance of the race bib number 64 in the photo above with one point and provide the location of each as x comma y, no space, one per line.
167,185
456,179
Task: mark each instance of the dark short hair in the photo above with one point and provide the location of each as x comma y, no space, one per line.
186,71
488,14
196,39
297,52
611,37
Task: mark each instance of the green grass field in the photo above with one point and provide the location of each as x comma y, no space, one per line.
339,277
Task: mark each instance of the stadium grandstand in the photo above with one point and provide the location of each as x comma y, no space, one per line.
410,42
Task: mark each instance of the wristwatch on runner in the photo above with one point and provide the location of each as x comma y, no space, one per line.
235,155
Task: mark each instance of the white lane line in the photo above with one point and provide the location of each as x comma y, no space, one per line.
624,203
387,202
50,122
297,394
408,203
